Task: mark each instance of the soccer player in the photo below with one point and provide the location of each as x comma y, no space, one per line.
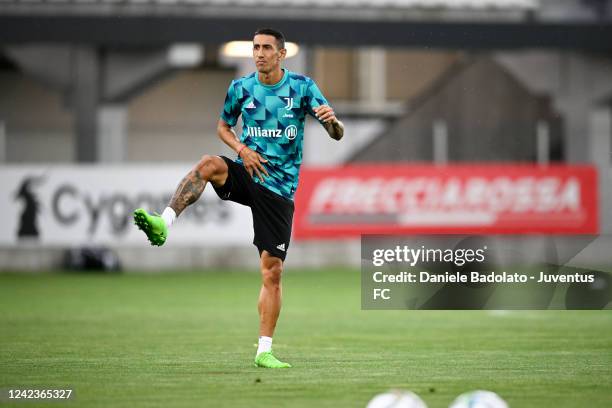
273,103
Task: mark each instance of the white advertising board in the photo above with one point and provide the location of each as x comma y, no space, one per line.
74,205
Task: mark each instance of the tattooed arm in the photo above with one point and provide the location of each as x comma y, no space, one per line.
332,125
335,129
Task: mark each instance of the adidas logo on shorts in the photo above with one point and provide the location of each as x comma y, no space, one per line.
281,246
251,105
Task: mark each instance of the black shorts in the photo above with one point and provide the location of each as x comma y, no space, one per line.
272,213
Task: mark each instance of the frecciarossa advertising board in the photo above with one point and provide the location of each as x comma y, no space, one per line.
474,199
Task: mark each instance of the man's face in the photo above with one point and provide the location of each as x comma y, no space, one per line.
266,54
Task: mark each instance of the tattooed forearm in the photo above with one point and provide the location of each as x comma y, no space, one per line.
188,191
335,129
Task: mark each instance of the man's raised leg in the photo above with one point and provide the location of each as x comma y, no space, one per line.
209,168
269,306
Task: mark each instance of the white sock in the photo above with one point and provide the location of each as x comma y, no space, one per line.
265,344
168,216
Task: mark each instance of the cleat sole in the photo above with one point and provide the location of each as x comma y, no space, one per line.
141,222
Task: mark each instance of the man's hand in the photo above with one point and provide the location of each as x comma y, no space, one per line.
253,162
325,114
332,125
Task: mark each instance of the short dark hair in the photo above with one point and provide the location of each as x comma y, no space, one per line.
280,38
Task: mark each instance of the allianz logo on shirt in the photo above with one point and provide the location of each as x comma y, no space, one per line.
255,131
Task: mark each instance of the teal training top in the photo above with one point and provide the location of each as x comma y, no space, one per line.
273,123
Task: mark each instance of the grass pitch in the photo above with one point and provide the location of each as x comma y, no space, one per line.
187,340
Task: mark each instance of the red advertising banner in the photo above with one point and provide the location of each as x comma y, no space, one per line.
456,199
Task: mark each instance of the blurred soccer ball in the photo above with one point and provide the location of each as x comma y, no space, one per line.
479,399
397,399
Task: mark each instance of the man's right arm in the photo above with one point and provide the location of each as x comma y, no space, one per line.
227,135
251,159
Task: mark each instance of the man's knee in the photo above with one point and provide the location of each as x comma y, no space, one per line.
210,167
207,166
271,274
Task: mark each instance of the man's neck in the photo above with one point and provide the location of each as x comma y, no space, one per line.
271,78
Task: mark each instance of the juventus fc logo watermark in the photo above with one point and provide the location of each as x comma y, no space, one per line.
289,103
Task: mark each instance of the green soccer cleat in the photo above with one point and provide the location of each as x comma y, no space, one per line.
267,360
152,225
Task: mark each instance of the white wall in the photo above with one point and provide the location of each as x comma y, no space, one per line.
37,122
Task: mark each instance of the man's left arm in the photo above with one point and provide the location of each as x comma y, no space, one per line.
327,117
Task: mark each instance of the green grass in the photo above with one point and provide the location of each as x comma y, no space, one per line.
187,340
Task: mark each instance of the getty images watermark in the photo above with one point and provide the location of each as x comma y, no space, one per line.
467,272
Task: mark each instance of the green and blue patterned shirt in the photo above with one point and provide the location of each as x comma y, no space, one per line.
273,123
